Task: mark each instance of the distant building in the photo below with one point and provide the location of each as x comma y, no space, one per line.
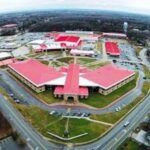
80,32
112,49
72,81
125,27
8,29
58,43
141,138
5,55
68,41
114,35
76,52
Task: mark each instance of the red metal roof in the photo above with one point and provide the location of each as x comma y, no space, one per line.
108,76
59,90
112,48
35,72
9,26
72,80
64,38
81,69
83,91
7,62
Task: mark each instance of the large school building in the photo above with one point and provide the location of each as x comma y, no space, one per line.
71,81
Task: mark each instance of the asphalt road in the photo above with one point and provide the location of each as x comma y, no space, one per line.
119,133
9,143
33,139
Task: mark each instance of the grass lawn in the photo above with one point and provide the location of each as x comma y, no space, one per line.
113,117
97,64
48,97
44,123
100,101
84,61
146,71
67,60
56,64
138,49
99,46
44,62
129,144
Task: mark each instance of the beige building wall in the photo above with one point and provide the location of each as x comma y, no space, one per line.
110,90
32,86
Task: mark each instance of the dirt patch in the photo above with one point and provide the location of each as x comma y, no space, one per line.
5,128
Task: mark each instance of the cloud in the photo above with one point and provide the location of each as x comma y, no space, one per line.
117,5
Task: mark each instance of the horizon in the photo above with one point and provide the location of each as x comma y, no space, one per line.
72,9
135,6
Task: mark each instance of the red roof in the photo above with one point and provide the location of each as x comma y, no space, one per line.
111,34
43,46
83,91
7,62
9,26
112,48
72,80
64,38
35,72
108,76
81,69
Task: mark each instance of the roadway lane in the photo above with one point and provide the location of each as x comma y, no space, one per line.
143,57
26,131
119,133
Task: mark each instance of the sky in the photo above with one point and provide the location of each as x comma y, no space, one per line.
135,6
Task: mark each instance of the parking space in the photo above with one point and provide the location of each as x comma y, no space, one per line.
70,114
127,52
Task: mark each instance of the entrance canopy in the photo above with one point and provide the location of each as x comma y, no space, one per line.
82,91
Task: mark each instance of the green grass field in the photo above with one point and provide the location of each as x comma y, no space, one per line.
129,144
146,71
44,123
99,46
48,97
138,50
67,60
84,61
97,64
114,117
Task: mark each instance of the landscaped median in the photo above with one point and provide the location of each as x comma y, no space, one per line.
116,116
146,71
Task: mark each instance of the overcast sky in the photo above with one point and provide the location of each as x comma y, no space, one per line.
139,6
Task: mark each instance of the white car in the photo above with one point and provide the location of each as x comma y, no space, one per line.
126,123
52,112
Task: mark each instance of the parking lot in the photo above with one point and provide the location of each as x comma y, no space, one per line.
70,114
